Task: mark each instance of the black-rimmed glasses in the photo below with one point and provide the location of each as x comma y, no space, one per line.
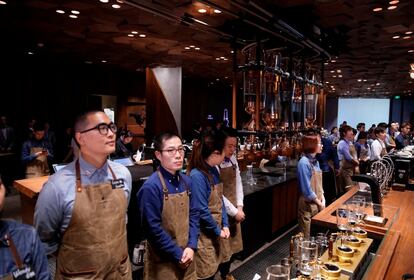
173,151
103,128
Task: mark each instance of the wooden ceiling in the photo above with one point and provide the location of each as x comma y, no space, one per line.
365,58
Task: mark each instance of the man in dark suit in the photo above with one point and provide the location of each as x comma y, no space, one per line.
6,136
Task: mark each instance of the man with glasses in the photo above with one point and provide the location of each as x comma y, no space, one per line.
81,211
169,216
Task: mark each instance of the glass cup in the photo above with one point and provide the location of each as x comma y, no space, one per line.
359,202
277,272
342,218
308,257
322,242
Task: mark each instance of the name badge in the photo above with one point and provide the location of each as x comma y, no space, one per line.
24,274
118,183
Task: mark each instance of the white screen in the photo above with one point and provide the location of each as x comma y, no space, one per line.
367,110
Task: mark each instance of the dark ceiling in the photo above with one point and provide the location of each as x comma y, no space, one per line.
354,44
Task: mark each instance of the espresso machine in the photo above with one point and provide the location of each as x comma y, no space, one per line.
375,189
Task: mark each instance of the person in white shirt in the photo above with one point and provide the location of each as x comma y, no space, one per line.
232,197
378,148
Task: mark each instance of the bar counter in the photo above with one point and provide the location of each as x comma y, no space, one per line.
395,254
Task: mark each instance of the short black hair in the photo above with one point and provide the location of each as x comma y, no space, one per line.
229,132
361,124
81,121
362,135
38,126
161,137
379,129
383,125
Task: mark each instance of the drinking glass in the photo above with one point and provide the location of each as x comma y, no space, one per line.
342,218
308,257
322,242
277,272
359,202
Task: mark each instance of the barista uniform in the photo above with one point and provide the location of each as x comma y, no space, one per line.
346,153
81,214
36,166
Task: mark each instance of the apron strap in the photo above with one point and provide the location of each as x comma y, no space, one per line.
164,186
14,252
187,189
78,177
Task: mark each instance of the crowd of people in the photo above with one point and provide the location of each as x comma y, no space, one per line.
329,161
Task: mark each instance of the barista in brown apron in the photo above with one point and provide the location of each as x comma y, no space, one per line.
347,162
94,246
212,250
312,199
175,221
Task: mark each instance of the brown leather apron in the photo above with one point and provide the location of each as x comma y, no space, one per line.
212,250
346,170
94,246
24,271
228,177
39,166
175,221
308,209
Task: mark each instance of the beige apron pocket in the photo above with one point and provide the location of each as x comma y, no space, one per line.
73,275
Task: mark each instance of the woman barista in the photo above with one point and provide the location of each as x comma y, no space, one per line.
207,190
312,199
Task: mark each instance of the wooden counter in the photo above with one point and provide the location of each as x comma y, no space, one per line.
395,256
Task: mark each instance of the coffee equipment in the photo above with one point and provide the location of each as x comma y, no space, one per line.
375,190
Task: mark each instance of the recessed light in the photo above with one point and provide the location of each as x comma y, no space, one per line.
216,11
333,61
104,1
134,32
75,12
396,36
334,76
364,80
187,48
377,84
225,59
222,57
326,82
339,71
60,11
326,63
131,35
73,16
197,49
408,32
359,80
339,76
116,6
378,9
142,35
40,45
202,11
88,62
30,53
394,2
3,2
368,88
192,46
411,51
392,7
231,51
103,61
406,37
332,71
217,58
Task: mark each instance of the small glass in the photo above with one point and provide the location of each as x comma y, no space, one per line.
322,242
277,272
250,178
342,219
308,257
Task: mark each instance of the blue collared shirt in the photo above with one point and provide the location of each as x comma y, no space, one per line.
27,156
56,200
305,167
151,200
328,153
201,192
343,150
401,141
28,246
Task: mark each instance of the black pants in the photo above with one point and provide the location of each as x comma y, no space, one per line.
329,186
224,268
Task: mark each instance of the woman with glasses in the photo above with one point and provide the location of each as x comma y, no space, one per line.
213,246
311,200
169,215
81,210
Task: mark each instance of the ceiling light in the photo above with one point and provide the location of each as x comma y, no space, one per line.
134,32
332,71
406,37
411,51
378,9
231,51
103,61
334,76
131,35
88,62
396,36
187,48
104,1
40,45
392,7
73,16
333,61
408,32
217,58
116,6
326,82
364,80
339,76
192,46
200,21
394,2
142,35
377,84
3,3
217,11
30,53
202,11
75,12
197,49
359,80
338,71
368,88
60,11
412,75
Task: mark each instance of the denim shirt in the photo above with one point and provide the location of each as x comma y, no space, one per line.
28,246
